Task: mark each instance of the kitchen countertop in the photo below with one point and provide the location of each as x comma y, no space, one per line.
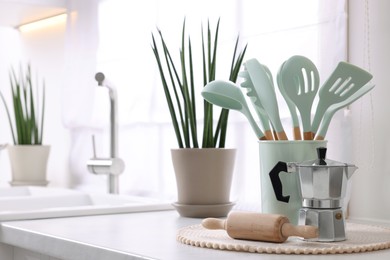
148,235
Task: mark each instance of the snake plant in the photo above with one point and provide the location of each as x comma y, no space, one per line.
27,126
180,87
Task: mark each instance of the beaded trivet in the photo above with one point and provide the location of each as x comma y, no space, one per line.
360,238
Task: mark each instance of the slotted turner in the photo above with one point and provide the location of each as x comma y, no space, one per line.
336,107
345,80
300,79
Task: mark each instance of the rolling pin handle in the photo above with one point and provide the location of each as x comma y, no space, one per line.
214,223
301,231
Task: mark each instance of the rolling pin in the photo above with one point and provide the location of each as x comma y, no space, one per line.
259,227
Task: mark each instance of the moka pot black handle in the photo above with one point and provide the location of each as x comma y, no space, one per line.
276,182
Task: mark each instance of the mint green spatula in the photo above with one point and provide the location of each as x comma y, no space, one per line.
227,95
336,107
300,80
267,94
345,80
252,93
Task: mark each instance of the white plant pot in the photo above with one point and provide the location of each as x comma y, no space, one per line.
29,164
203,178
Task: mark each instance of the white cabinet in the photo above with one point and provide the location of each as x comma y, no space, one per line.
8,252
17,12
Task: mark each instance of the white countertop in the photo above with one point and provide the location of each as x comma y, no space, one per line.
150,235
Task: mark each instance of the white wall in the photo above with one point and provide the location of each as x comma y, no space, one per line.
370,116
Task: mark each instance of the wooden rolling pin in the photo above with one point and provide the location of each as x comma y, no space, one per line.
260,227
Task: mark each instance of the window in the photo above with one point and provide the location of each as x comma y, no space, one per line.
274,31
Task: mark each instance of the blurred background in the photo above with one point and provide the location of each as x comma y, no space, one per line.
114,37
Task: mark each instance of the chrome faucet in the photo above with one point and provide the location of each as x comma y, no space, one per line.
112,166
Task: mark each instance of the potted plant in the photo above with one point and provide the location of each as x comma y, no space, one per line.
28,157
203,170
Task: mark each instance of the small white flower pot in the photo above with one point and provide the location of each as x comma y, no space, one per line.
29,164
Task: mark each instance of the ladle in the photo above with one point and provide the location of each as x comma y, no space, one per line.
227,95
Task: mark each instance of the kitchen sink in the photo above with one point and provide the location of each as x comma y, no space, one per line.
19,203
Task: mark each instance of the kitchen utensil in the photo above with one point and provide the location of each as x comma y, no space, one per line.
323,185
267,95
345,80
269,74
227,95
291,106
334,108
252,93
300,80
260,227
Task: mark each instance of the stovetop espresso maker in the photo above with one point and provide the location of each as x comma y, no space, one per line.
323,185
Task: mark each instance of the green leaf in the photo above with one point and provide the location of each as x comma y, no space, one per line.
184,87
42,113
9,117
167,94
26,129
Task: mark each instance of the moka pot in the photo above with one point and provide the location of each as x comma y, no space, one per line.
323,184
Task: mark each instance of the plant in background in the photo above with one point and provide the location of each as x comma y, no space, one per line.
27,126
179,88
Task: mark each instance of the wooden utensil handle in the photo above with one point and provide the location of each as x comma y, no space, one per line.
268,134
318,137
282,135
301,231
308,135
297,133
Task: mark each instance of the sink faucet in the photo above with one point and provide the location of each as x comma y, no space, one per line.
112,166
